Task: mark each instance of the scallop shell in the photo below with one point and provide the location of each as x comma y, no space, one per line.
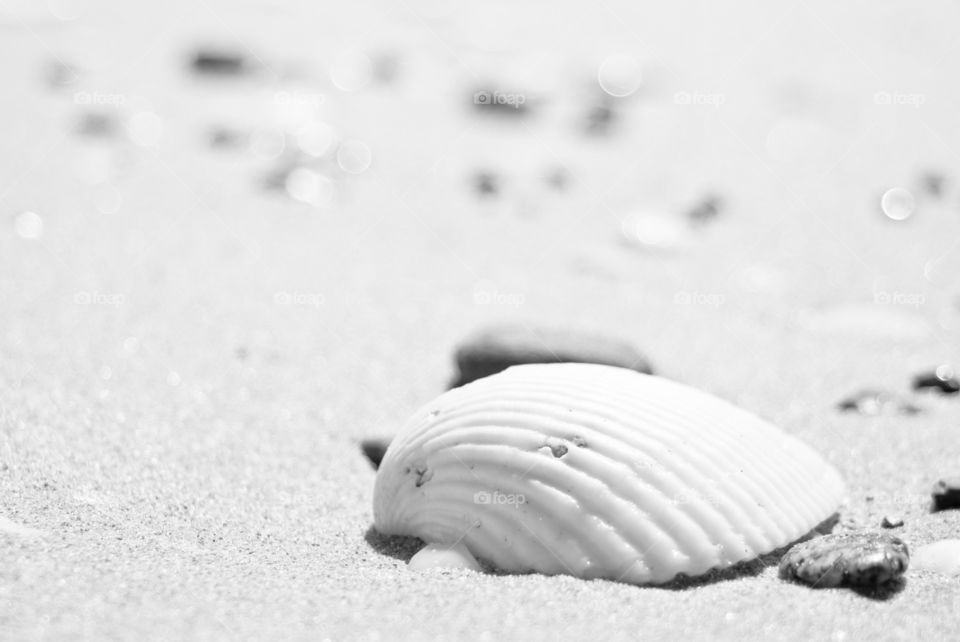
599,472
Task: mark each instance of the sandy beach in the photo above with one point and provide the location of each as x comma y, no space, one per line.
191,354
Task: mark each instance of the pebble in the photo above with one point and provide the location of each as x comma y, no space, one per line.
846,559
943,379
486,183
374,450
933,183
97,125
890,521
600,118
705,210
946,493
214,62
940,557
873,402
495,349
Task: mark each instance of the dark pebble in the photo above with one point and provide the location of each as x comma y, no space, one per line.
61,74
946,493
705,210
601,118
219,63
943,379
933,183
486,183
872,402
860,559
558,178
890,521
374,450
225,138
497,348
97,125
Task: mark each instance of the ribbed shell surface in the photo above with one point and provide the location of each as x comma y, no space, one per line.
599,472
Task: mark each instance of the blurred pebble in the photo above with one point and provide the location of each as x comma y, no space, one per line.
939,557
558,178
385,67
220,137
61,74
486,183
28,225
222,62
890,521
706,209
496,348
846,559
374,450
933,183
897,204
511,104
600,118
873,402
97,125
946,494
943,379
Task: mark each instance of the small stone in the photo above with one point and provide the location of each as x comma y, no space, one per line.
497,348
558,178
600,118
97,125
486,183
224,138
946,494
374,450
942,379
61,74
939,557
932,183
846,559
874,402
889,521
705,210
213,62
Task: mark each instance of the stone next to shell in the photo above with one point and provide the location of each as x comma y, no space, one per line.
598,472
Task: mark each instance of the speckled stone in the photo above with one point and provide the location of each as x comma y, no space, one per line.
495,349
861,559
946,493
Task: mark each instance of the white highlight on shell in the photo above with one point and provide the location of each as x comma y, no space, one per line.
599,472
443,556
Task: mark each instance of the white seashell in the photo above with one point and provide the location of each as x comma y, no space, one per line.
599,472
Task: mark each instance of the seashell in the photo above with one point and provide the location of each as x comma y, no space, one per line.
599,472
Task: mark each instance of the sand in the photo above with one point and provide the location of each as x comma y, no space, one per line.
189,361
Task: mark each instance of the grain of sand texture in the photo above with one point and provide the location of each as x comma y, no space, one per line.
188,360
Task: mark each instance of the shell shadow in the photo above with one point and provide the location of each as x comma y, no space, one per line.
404,548
396,546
